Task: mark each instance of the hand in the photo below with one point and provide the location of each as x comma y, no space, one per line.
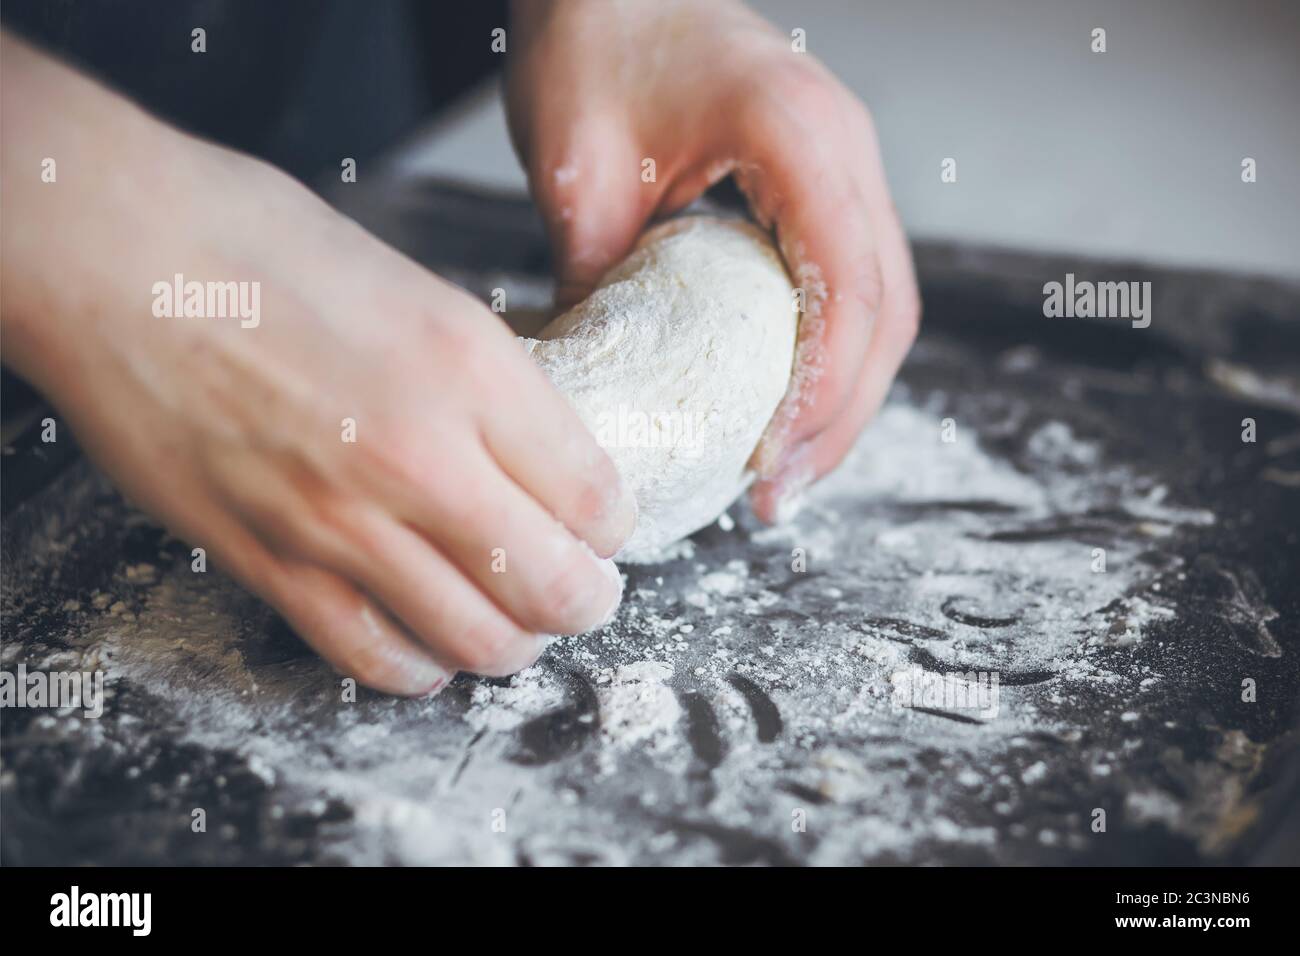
382,552
705,88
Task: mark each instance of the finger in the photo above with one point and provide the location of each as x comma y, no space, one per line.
595,195
777,497
357,638
892,337
522,558
437,603
799,182
501,399
536,438
428,595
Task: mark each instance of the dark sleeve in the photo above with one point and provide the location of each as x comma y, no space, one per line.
301,83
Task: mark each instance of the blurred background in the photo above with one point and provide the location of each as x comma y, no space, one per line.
1132,154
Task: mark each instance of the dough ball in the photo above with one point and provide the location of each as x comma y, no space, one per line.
676,363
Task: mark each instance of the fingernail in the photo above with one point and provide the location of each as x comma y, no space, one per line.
531,653
610,570
415,676
768,458
629,508
619,514
425,675
437,687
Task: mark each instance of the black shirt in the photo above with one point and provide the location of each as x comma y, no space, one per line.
302,83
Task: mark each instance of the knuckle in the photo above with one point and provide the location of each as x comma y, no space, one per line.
389,467
491,363
466,513
368,538
762,119
808,95
908,313
334,526
427,468
861,116
333,516
794,96
389,457
798,87
476,367
287,529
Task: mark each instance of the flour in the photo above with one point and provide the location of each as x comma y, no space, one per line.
636,705
529,693
731,689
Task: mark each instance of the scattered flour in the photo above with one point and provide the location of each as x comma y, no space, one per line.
946,551
636,703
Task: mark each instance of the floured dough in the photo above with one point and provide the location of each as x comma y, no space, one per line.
676,363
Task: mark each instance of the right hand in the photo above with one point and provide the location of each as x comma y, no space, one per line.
382,553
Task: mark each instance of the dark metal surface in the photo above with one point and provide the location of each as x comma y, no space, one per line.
734,695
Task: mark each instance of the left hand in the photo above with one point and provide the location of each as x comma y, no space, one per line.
705,89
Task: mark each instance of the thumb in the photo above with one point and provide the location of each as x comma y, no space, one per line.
594,205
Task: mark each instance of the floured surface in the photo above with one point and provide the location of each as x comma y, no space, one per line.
730,694
734,697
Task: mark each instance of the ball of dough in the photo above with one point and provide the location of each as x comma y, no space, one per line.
676,363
